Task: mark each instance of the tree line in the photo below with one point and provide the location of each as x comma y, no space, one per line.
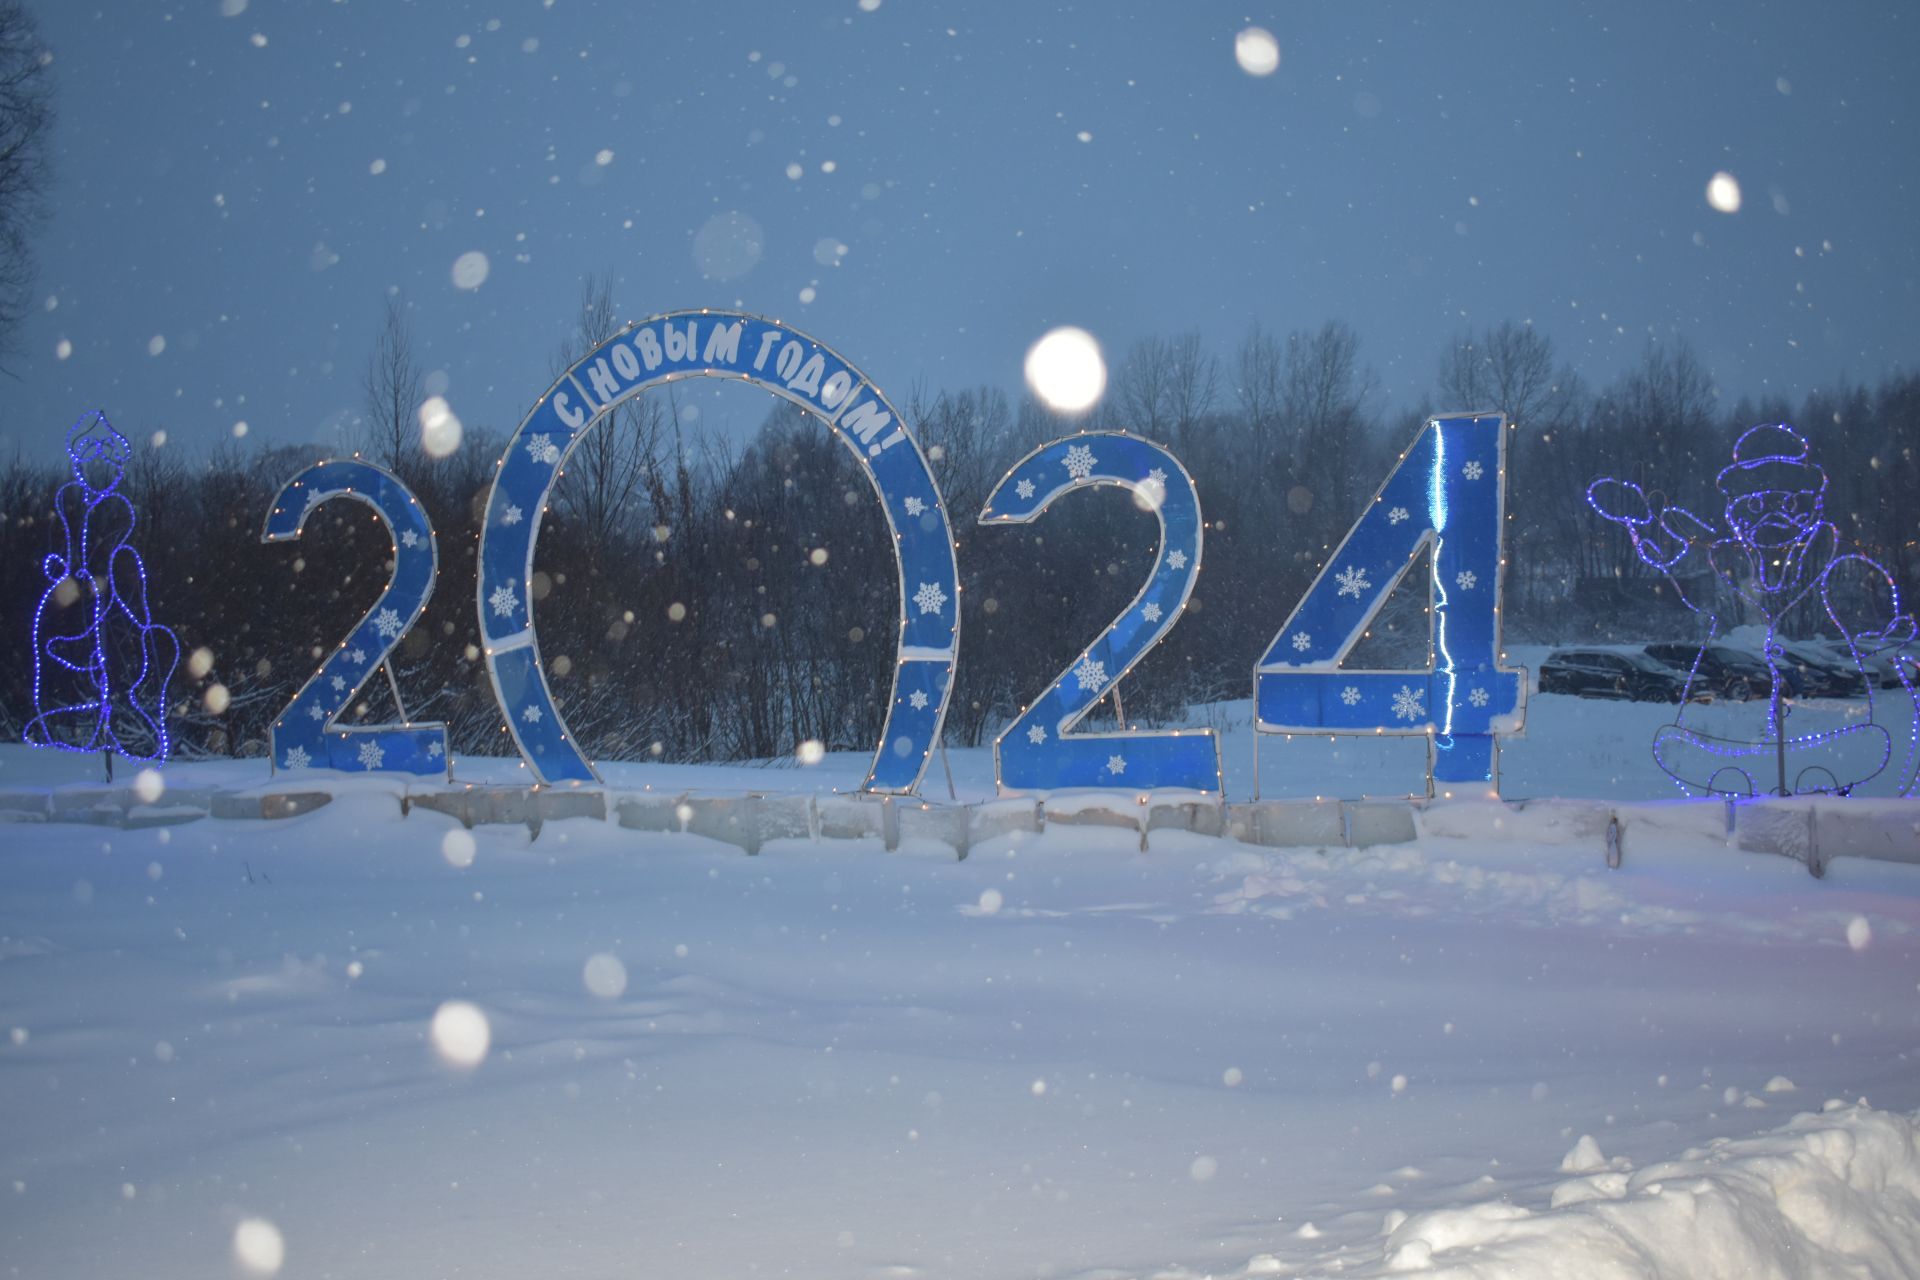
703,601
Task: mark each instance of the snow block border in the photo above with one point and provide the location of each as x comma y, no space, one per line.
1812,830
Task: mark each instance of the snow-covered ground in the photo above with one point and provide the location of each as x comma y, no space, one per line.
236,1043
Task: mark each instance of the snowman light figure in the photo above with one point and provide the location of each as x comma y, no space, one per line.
1776,554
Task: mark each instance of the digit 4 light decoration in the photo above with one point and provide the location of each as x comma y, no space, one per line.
307,733
1037,752
788,363
1446,493
115,667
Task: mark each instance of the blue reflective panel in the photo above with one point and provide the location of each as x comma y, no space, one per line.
307,733
1037,752
792,365
1446,493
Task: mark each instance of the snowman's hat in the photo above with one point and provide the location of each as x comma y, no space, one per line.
1774,459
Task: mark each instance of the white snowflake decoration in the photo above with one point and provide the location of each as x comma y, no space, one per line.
1350,695
1352,580
1024,488
387,623
1473,470
1116,764
1398,514
930,597
531,715
540,448
512,515
918,701
1478,697
1079,461
1090,674
1158,475
298,758
436,748
1302,642
314,499
409,539
1466,578
317,711
914,506
1151,613
1176,559
1407,704
372,756
501,601
357,655
339,684
1036,735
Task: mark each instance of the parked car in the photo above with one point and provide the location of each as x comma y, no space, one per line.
1722,669
1822,673
1610,673
1883,669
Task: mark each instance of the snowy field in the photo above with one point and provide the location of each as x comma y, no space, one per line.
241,1047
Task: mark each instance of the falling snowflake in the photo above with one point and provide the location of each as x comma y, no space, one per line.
1302,642
1466,578
1151,613
409,539
531,715
1176,559
339,684
1407,704
1090,674
317,711
1079,461
372,756
1350,695
1352,580
298,758
930,598
436,748
918,701
512,515
914,506
1036,735
1116,764
387,623
1478,697
1473,471
1024,488
540,448
501,601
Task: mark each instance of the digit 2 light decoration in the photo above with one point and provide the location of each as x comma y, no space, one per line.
788,363
100,663
1037,752
307,733
1447,493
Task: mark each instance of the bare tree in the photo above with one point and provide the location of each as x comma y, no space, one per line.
26,127
393,387
610,467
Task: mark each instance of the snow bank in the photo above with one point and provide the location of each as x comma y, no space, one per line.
1834,1194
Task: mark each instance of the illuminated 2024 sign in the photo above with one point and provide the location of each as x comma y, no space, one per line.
1445,495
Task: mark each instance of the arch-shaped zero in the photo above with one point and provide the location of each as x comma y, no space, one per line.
790,364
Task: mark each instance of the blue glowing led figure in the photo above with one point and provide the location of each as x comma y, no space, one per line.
307,734
1037,752
788,363
1776,558
99,658
1447,493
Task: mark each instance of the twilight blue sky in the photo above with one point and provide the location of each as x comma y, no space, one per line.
237,191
